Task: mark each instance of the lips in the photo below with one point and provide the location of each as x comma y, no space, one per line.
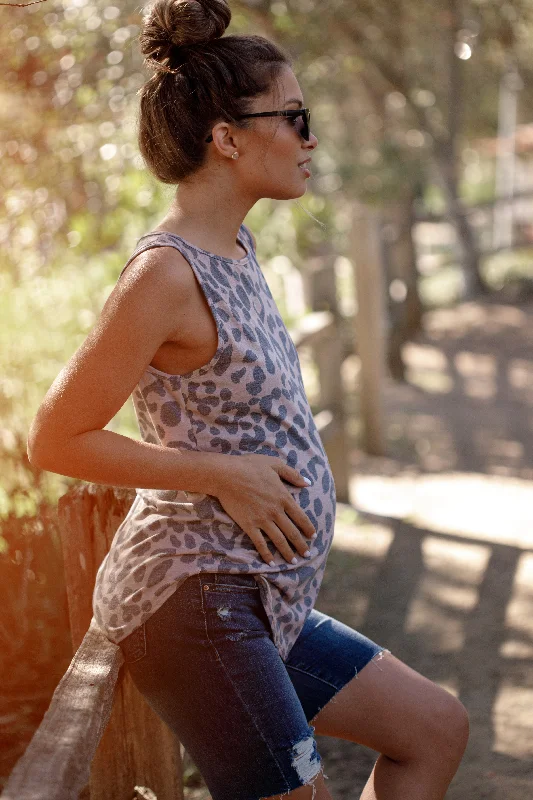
307,161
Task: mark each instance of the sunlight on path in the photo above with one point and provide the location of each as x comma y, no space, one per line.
493,509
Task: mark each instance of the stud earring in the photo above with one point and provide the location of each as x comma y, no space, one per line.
235,154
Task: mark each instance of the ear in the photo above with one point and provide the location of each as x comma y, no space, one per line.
224,138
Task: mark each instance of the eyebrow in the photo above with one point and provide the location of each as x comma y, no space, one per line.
295,100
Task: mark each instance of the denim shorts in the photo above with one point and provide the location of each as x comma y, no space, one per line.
206,663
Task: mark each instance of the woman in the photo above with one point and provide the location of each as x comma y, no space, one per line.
210,584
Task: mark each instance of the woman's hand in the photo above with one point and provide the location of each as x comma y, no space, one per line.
251,491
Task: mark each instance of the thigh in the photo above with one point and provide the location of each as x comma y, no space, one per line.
326,656
206,663
394,710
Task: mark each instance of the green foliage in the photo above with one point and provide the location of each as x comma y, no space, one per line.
44,319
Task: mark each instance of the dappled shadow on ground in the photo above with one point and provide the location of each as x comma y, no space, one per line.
468,400
434,559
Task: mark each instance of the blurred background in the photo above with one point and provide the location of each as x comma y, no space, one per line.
405,275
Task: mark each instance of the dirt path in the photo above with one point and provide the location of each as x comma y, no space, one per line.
436,562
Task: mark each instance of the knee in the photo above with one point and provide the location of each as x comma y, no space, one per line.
448,729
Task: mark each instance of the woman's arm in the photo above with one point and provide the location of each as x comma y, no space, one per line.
67,435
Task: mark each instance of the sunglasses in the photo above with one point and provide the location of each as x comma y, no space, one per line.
301,117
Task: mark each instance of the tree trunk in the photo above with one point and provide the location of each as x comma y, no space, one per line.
444,162
405,314
446,157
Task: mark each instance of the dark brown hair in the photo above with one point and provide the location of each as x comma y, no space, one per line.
201,77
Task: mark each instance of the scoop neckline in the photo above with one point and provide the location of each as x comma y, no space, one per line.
207,252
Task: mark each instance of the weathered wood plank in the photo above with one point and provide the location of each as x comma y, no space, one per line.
137,748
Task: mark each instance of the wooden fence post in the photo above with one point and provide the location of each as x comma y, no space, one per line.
370,323
328,353
137,748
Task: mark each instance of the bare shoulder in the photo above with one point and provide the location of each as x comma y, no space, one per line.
163,267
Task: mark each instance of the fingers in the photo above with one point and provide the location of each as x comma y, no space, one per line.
299,516
281,531
290,474
260,545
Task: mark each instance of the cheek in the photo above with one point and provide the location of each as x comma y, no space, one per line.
275,156
284,149
288,139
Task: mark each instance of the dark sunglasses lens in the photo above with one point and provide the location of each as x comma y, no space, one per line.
301,126
305,125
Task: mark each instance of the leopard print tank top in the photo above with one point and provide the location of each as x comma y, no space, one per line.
249,398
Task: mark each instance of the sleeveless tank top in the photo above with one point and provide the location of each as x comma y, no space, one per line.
249,398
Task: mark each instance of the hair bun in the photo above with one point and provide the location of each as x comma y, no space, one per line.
170,24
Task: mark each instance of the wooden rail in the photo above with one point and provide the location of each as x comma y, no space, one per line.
138,757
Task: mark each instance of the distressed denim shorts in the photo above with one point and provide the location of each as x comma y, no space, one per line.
206,662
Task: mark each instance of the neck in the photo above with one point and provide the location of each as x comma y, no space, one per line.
209,212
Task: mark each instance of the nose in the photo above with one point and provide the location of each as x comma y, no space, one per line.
312,143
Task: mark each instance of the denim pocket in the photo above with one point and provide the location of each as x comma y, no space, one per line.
134,646
229,589
233,611
213,593
218,581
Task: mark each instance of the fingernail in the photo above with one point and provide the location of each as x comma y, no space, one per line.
308,482
271,563
294,560
307,554
315,534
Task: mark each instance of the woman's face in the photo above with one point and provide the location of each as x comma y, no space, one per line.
271,149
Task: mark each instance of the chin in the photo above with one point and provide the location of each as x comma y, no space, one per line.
287,192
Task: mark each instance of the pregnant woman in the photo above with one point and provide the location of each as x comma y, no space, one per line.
210,584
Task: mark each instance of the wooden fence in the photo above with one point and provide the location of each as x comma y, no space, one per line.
138,757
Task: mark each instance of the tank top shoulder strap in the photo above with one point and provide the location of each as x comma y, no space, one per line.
245,234
149,240
164,239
